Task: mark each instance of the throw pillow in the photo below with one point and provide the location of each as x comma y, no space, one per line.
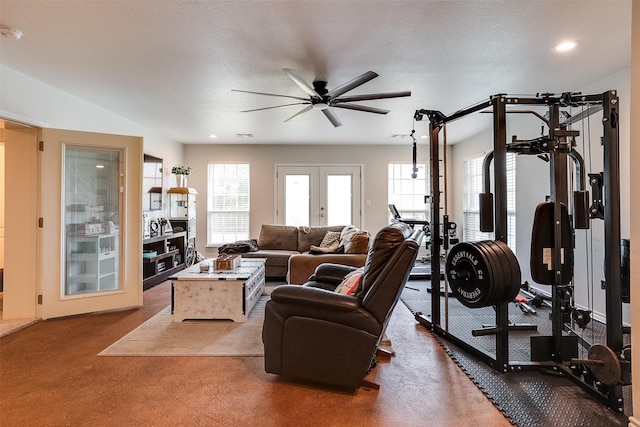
359,243
351,282
345,235
330,238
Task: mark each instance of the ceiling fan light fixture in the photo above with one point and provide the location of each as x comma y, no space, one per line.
320,106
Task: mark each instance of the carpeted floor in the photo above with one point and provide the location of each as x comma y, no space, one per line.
8,327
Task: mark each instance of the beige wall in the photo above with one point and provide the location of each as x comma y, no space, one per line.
263,158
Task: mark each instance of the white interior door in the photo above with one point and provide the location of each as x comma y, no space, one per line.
90,240
319,195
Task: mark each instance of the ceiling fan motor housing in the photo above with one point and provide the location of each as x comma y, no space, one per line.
320,87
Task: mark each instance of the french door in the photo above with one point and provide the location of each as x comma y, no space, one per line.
319,195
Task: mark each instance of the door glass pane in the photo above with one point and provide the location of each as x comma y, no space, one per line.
297,191
91,219
339,191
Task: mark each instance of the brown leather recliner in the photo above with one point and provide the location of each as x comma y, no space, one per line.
314,334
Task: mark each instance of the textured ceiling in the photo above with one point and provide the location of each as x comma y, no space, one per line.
172,65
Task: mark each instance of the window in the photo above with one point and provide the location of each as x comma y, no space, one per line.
471,210
408,193
227,203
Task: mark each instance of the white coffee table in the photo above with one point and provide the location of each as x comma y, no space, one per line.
217,294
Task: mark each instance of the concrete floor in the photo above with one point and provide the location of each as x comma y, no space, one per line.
50,376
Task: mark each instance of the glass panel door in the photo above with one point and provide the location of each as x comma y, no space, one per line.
339,191
319,195
92,212
297,197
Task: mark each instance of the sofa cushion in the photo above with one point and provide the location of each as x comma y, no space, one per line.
302,266
358,244
308,236
281,237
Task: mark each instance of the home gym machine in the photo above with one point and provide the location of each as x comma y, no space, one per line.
487,274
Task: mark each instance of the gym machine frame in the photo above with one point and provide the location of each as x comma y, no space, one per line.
606,206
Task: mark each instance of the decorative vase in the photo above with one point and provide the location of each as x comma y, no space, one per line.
181,181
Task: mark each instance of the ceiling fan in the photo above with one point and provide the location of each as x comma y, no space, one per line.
320,98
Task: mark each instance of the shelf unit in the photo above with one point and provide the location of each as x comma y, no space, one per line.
92,263
182,210
169,258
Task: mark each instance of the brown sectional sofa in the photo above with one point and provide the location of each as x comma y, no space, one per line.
286,249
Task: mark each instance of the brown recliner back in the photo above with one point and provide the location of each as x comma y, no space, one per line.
389,262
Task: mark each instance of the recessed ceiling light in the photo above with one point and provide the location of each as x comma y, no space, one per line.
10,33
212,136
100,166
566,46
424,136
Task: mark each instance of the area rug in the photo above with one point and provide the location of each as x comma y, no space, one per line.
160,336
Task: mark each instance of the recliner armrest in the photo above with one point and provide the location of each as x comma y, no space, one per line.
331,273
317,303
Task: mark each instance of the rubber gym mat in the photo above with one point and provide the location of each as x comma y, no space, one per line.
526,398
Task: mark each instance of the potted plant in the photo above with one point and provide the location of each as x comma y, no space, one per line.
181,173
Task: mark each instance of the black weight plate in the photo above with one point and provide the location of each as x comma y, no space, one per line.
515,269
494,272
468,275
501,275
494,269
515,278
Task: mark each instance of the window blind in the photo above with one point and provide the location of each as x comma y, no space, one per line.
227,203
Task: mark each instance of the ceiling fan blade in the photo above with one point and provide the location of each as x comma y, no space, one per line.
299,113
297,78
361,108
371,96
275,106
352,84
269,94
332,116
